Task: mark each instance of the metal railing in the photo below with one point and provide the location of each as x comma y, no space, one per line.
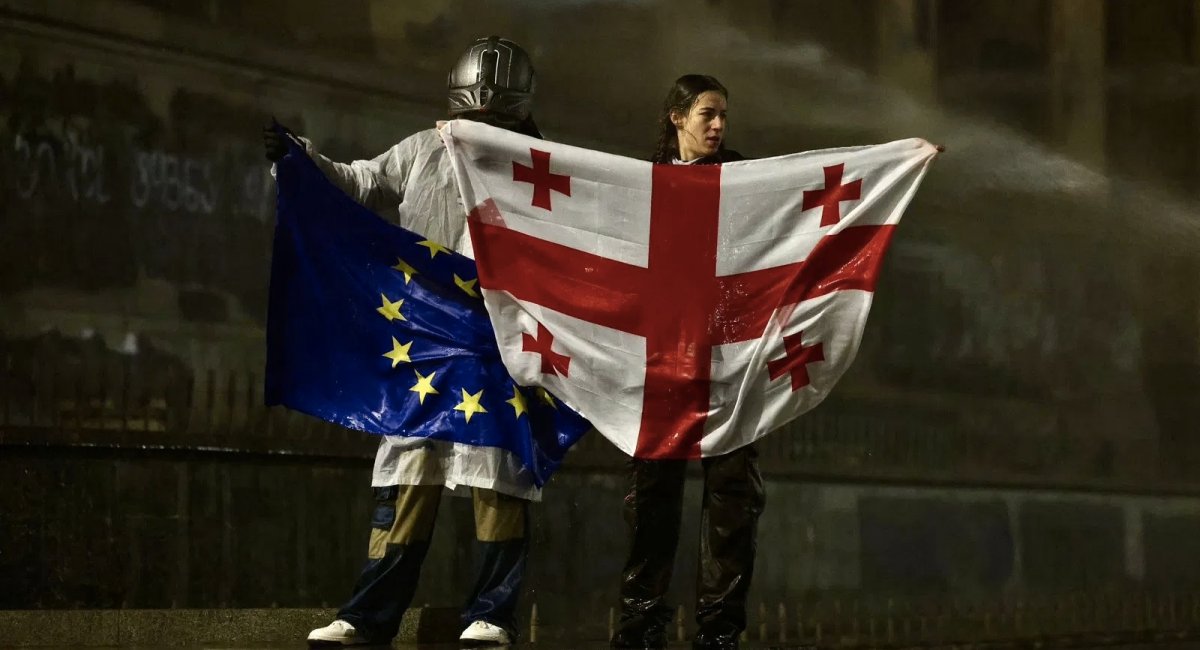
1092,617
123,402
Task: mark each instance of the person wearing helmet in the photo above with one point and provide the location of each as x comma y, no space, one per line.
412,185
493,82
691,132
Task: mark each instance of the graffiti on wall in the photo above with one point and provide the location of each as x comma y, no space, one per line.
102,189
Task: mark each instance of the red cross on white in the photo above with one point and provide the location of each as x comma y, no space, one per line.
795,361
830,197
681,293
541,178
542,345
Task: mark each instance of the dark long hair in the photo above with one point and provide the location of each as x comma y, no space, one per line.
681,98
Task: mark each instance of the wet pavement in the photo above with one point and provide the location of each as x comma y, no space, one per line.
1044,644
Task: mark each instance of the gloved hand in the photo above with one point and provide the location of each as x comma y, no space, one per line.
274,143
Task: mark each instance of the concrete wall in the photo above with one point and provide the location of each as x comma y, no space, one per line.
1026,282
1036,325
103,530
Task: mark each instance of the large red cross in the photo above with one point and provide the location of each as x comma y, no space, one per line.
830,197
676,302
552,362
795,360
541,178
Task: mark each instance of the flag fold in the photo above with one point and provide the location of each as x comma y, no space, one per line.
375,328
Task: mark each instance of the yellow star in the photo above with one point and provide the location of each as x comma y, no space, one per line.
424,386
466,285
399,352
391,310
405,268
546,397
434,247
517,402
470,404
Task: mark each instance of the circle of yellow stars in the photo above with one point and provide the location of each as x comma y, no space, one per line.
469,405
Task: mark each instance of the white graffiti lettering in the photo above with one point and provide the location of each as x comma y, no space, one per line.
79,169
175,183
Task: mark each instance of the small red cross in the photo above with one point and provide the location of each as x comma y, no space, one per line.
541,178
795,360
552,362
830,197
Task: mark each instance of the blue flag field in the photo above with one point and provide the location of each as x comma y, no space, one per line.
375,328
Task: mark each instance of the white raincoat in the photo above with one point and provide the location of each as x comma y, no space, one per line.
412,185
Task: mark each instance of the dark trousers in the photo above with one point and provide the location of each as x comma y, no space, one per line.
401,527
733,500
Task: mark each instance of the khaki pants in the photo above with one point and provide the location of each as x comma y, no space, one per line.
406,513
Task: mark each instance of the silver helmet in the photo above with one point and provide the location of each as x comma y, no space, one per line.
494,75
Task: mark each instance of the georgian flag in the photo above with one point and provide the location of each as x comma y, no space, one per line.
685,310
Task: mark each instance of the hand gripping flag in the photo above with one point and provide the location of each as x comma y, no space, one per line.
372,327
685,310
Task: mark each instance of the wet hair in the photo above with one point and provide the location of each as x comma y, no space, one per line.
681,98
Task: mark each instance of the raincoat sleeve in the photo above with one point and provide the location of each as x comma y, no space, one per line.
378,184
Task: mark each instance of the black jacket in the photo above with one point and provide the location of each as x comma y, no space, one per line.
722,156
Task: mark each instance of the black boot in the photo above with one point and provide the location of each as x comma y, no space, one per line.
716,637
733,501
646,638
653,509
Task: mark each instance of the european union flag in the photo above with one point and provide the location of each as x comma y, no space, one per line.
375,328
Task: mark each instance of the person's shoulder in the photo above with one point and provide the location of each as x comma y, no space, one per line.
420,143
423,139
722,156
729,155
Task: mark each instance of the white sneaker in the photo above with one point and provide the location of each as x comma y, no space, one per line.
482,633
338,632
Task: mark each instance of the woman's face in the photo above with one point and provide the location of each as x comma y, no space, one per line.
701,131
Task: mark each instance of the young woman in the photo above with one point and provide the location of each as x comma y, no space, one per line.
691,132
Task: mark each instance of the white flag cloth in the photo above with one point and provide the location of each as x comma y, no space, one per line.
686,310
